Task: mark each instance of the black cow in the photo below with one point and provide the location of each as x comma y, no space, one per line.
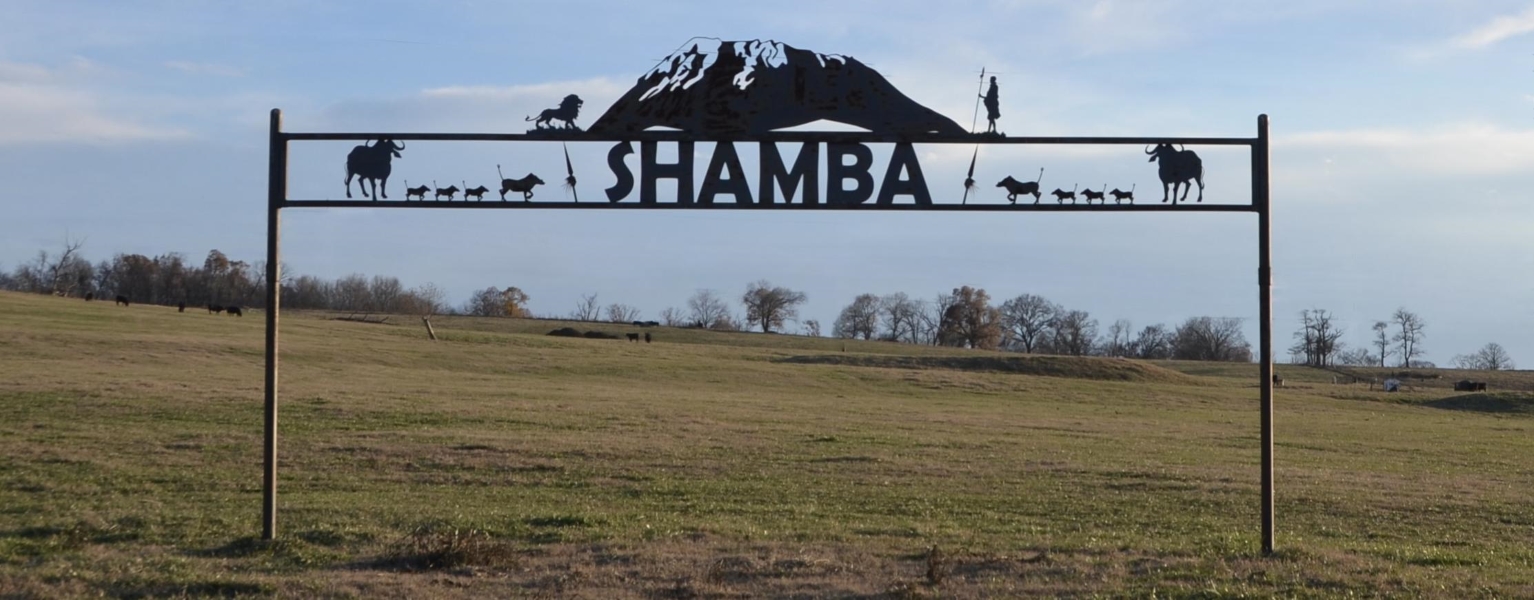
234,311
647,337
215,309
1178,167
181,307
633,337
122,300
372,164
89,296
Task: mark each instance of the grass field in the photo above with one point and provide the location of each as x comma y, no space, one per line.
503,462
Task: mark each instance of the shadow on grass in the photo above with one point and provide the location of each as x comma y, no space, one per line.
1506,403
1071,367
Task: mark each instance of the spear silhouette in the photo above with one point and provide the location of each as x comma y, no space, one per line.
969,180
570,179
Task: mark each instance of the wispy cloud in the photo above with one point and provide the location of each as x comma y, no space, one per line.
1471,149
39,104
1497,30
199,68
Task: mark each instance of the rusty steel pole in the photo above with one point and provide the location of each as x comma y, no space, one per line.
1262,199
276,194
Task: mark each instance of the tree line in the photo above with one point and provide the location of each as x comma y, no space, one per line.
964,317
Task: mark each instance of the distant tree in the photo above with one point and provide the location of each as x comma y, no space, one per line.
622,313
812,328
1026,320
486,303
1357,357
902,318
1119,342
1153,343
1072,332
424,300
515,301
1318,340
707,309
352,292
384,294
859,319
1491,357
1212,339
673,317
970,321
770,306
1382,341
587,309
1409,337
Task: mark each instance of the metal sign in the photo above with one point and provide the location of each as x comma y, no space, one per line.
751,96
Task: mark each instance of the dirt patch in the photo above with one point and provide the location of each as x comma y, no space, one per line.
1100,369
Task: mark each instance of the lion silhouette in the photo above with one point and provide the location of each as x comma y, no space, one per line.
569,109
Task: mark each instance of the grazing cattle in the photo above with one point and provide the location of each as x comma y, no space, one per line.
633,337
215,309
647,323
1120,196
523,185
647,337
1017,188
1061,195
478,193
371,163
1178,167
1469,386
1277,380
1090,195
89,296
180,307
122,300
448,191
234,311
419,191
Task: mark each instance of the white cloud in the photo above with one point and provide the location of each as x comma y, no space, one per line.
1465,149
197,68
1497,30
38,104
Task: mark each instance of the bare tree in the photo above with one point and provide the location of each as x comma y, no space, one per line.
707,309
1120,339
1153,343
486,303
1382,341
1073,332
1491,357
587,309
859,319
622,313
1209,338
1026,320
1318,341
672,317
1357,357
902,318
384,293
770,306
424,300
1409,339
812,327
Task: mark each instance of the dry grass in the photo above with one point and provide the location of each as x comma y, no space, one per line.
503,462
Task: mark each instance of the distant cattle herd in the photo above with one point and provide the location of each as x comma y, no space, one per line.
233,311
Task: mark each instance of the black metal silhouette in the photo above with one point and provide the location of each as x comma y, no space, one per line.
1017,188
992,99
1098,196
478,193
1120,196
569,110
570,174
1061,195
371,163
1177,168
969,180
419,192
523,185
448,191
733,87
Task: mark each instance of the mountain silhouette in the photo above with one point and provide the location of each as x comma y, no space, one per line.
723,87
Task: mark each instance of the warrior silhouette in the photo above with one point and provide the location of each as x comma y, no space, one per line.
992,105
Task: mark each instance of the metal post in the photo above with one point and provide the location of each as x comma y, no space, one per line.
276,193
1262,199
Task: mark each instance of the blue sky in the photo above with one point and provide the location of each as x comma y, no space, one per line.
1402,159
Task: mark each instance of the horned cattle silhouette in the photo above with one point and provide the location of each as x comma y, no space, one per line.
371,163
1178,167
